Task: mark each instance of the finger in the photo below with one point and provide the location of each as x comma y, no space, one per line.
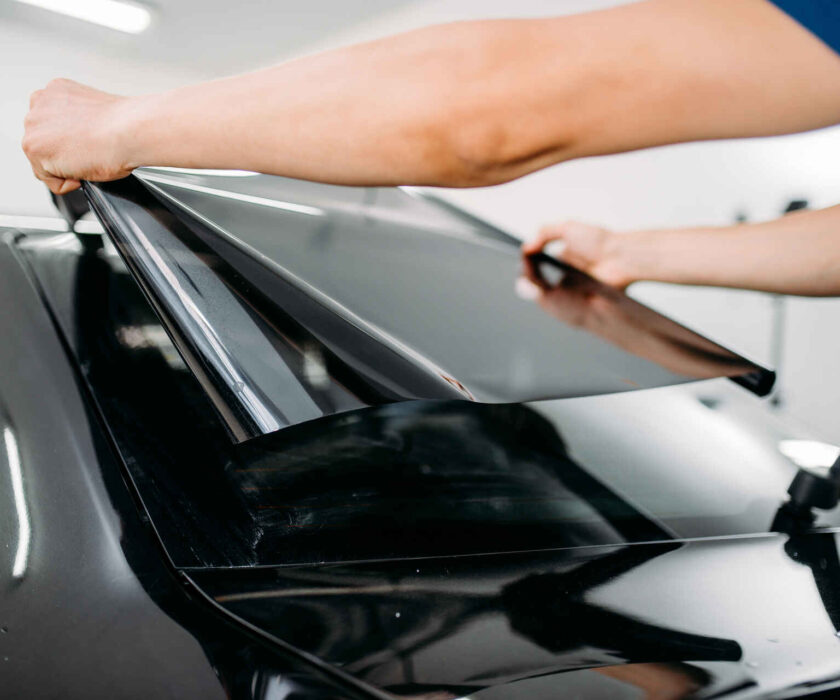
56,185
546,235
53,183
531,272
535,245
69,186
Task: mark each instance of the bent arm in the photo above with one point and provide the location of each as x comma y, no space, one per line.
797,254
472,103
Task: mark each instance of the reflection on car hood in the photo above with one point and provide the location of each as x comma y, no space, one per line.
668,620
290,301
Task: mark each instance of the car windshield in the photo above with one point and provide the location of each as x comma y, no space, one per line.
412,479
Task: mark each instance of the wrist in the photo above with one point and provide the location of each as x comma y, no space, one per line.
678,256
625,260
134,125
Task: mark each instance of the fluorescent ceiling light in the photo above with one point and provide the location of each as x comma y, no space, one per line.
115,14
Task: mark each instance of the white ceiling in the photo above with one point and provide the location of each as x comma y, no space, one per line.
211,37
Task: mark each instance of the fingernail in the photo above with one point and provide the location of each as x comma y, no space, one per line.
555,249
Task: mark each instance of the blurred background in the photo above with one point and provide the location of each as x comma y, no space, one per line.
152,47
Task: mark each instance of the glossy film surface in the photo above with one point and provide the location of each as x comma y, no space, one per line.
342,298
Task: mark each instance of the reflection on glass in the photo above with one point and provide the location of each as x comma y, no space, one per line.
580,302
659,681
247,198
208,172
554,611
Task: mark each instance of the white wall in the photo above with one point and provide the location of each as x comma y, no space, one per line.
424,12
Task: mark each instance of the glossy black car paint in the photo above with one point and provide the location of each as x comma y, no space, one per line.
606,616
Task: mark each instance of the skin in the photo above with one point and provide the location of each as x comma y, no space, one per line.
480,103
797,254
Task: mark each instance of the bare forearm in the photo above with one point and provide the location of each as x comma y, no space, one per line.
421,108
797,254
478,103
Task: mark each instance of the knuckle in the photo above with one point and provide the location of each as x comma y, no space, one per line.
30,141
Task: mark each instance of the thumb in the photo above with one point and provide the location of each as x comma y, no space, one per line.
549,240
69,186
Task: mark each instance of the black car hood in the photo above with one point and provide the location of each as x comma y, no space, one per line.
290,301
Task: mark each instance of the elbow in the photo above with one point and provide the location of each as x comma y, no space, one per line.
480,152
473,119
474,155
480,141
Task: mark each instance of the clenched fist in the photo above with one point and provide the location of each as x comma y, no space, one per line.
72,133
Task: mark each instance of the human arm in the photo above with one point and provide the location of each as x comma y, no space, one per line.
464,104
796,254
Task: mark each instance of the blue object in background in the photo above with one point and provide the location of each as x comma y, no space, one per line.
821,17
